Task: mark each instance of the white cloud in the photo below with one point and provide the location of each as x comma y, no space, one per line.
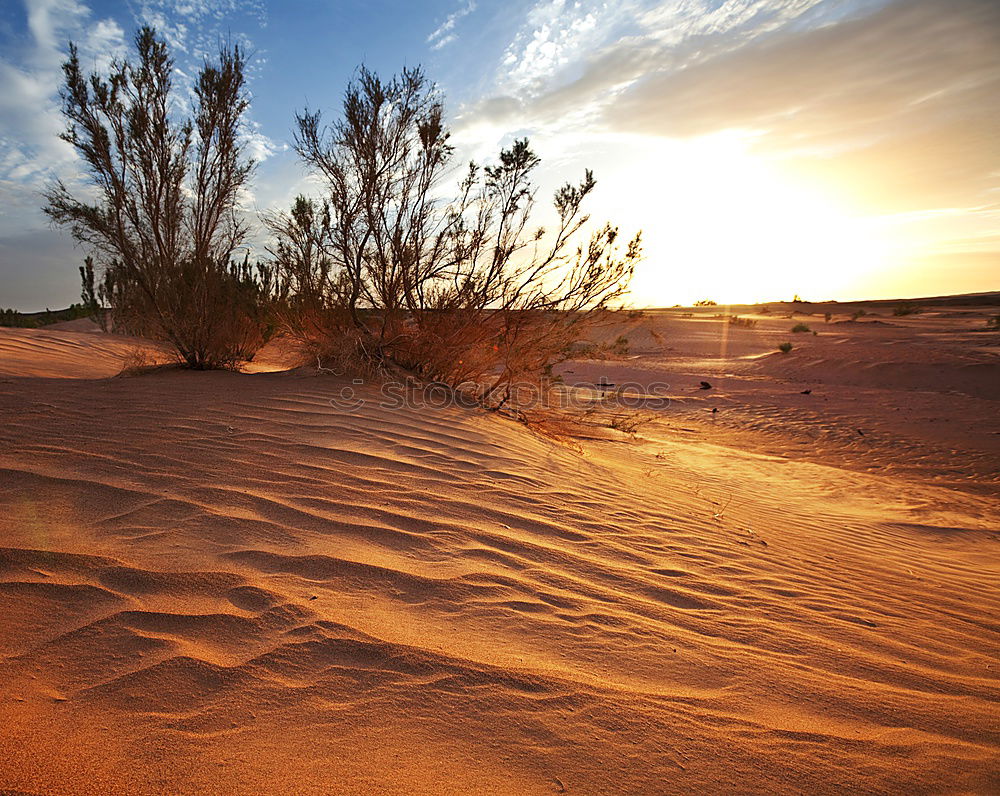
259,146
195,27
443,35
31,152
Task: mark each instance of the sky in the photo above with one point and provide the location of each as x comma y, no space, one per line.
834,149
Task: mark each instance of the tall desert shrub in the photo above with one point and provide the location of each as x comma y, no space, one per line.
164,222
456,287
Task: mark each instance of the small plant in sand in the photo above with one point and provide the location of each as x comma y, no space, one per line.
630,422
828,317
136,361
590,350
745,323
858,314
392,272
801,327
785,347
163,223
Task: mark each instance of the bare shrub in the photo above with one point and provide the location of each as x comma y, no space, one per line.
801,327
557,425
165,223
456,290
589,350
136,360
746,323
630,422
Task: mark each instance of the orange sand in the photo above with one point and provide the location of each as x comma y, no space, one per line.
220,583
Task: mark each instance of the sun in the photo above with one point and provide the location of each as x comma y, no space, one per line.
724,223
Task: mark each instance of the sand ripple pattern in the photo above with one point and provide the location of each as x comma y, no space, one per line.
228,571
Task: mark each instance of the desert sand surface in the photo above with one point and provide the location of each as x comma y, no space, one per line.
231,583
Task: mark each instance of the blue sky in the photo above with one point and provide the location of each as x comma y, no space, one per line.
831,148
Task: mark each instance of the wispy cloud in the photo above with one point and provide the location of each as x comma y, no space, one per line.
195,27
868,89
444,34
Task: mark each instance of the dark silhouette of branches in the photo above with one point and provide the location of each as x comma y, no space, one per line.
164,223
457,289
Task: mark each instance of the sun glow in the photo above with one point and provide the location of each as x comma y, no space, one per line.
721,222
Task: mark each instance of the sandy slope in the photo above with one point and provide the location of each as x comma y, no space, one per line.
72,350
222,583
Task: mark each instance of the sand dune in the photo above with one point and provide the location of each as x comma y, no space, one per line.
72,350
224,583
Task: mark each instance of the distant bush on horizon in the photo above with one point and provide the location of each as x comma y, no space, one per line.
906,308
34,320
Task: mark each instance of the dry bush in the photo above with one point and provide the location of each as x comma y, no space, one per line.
557,424
454,290
745,323
165,223
586,349
135,361
630,422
